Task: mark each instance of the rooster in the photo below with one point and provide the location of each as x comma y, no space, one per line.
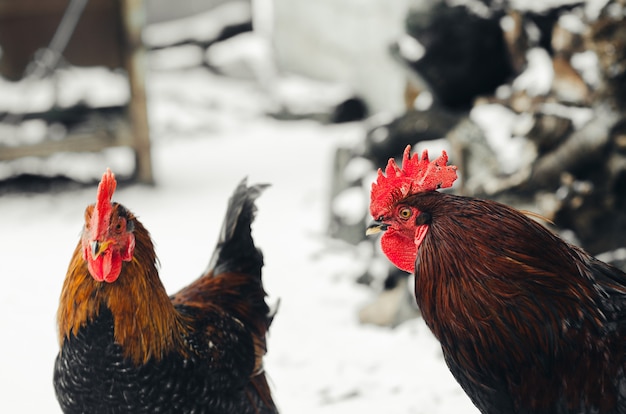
125,346
527,322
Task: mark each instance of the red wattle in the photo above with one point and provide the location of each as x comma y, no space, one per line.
402,250
106,267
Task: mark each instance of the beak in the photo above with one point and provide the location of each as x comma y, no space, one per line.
97,248
376,227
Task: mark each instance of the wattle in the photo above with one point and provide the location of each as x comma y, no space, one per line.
106,267
400,250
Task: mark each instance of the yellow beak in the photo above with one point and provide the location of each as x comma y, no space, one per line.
375,228
97,248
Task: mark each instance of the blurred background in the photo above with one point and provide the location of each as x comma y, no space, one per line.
182,99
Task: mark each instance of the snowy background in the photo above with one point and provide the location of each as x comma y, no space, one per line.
208,132
320,359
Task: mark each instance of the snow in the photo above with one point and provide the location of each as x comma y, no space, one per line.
500,125
208,133
178,57
541,6
536,80
93,86
351,205
320,359
198,27
411,48
586,63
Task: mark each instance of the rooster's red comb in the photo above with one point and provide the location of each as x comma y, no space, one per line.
103,208
417,175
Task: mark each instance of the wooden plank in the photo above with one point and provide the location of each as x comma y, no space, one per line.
77,142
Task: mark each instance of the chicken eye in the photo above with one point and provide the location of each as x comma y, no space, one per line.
405,213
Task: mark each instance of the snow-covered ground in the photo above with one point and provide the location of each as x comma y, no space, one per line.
320,359
208,133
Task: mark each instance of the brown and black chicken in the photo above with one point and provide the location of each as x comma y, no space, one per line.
126,347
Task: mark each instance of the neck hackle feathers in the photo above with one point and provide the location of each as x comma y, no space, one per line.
417,175
103,208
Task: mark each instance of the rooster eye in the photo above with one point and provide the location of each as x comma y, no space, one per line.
405,213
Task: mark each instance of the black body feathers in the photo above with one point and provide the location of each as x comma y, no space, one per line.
218,322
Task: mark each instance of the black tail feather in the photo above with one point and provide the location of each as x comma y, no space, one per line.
235,250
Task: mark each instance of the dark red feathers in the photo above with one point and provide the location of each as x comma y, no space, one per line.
527,323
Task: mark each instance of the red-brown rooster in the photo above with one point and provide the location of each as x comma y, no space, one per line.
527,322
126,347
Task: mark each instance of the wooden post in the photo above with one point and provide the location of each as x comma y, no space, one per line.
133,17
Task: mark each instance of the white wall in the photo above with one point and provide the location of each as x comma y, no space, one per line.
343,40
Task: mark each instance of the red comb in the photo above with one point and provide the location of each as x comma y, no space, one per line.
102,211
417,175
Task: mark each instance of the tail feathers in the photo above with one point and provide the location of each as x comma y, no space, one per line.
260,395
273,310
235,250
